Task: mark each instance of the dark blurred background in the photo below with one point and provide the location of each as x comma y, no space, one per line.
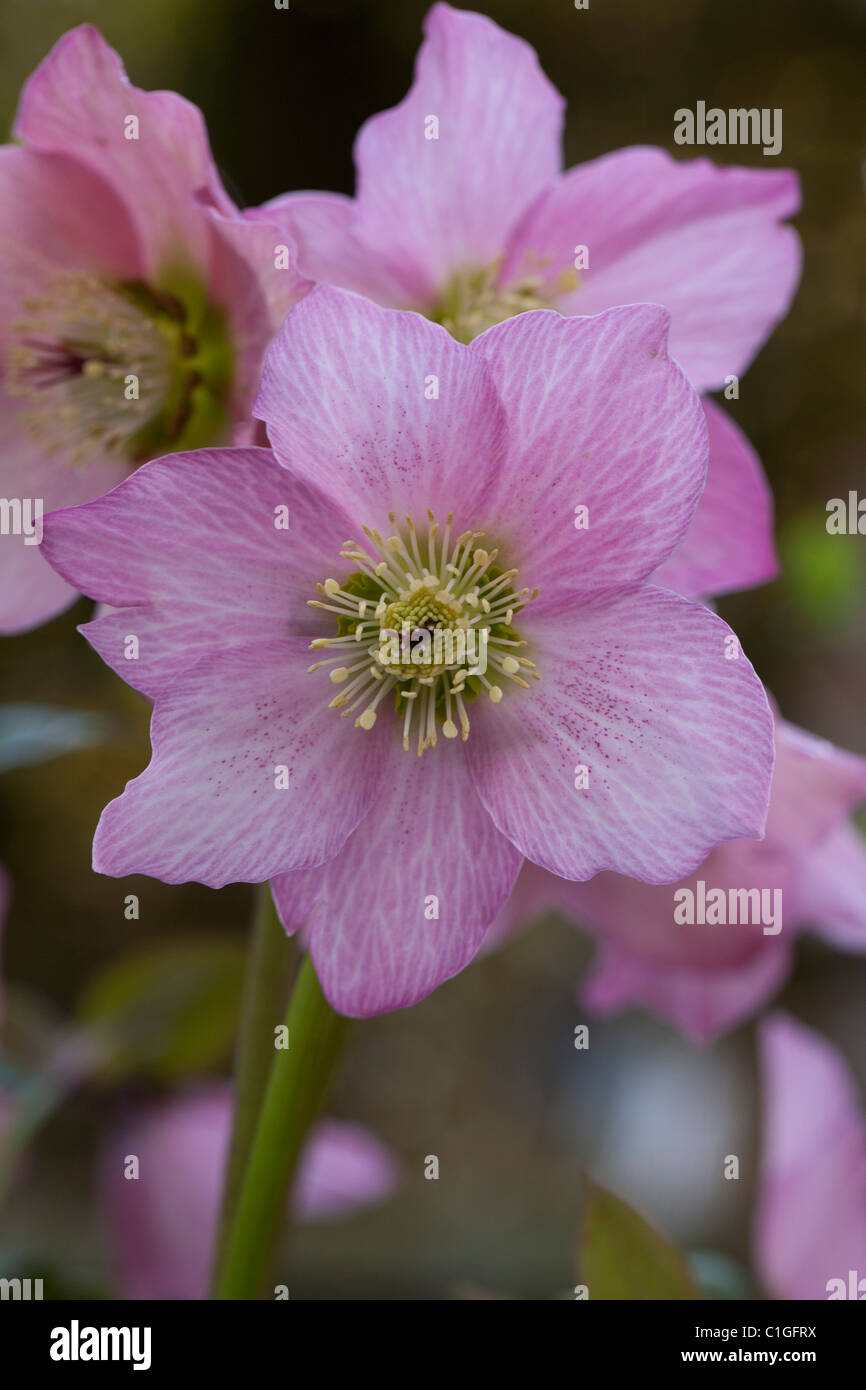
484,1074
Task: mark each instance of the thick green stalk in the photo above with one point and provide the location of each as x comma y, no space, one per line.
262,1006
296,1089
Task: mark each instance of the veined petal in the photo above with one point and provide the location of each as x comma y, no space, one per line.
242,748
706,241
597,417
407,902
638,700
323,228
382,411
193,550
432,204
729,545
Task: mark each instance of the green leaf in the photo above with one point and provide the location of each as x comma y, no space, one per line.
622,1257
166,1012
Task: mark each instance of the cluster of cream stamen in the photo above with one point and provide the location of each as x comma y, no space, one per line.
475,300
431,586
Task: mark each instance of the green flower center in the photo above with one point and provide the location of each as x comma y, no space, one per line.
475,300
121,369
428,619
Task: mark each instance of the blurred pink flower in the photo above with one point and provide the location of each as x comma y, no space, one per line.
161,1226
411,858
463,213
135,302
707,978
810,1225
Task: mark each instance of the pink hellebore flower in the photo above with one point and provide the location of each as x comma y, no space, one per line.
708,975
135,302
463,213
161,1225
470,607
810,1227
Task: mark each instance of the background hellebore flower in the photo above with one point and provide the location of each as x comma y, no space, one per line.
135,304
463,213
161,1225
705,977
592,741
810,1227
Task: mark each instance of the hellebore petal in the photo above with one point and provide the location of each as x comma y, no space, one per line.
700,1003
810,1225
706,977
729,545
635,691
343,397
435,199
407,901
78,103
213,805
707,242
597,417
832,888
194,550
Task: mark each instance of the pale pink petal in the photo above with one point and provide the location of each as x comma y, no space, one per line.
811,1213
706,241
832,888
57,217
342,1169
77,103
189,549
322,227
386,927
254,273
597,416
535,892
703,977
31,592
677,740
815,787
161,1225
431,207
347,397
702,1004
210,806
729,545
642,916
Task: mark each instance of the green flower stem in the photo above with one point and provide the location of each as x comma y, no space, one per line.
299,1078
266,982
